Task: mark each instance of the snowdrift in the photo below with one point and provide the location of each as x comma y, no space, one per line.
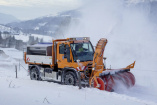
53,93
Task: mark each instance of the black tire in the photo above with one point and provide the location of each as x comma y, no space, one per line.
69,78
34,74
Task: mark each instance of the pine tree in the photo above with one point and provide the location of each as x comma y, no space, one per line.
8,42
1,40
41,40
19,44
36,40
13,42
31,40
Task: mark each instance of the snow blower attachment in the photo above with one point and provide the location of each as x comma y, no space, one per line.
73,61
104,79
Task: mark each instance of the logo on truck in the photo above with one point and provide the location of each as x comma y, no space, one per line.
28,59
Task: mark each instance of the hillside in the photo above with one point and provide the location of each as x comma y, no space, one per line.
48,25
60,24
6,18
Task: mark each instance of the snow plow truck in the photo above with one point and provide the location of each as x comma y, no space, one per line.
74,61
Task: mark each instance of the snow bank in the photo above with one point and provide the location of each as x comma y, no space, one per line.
9,57
23,91
40,93
3,55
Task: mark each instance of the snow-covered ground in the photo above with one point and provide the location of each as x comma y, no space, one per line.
23,91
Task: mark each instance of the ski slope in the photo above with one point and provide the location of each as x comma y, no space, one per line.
23,91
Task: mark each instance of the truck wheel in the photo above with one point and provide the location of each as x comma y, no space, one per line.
34,74
69,78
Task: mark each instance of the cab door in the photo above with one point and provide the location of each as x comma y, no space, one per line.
63,55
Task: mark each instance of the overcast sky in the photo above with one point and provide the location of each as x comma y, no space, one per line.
28,9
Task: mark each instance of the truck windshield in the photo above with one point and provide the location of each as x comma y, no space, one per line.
82,51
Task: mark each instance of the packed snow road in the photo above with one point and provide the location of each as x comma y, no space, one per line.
23,91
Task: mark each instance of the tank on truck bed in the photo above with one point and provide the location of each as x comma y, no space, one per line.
39,53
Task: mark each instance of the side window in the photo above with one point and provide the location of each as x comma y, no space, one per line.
85,46
67,53
61,48
88,47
